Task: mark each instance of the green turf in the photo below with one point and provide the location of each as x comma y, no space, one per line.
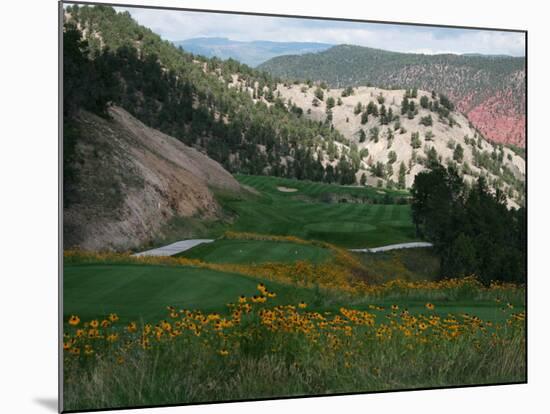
486,310
144,291
138,292
320,191
304,214
253,251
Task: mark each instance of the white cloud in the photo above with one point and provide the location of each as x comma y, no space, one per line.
180,25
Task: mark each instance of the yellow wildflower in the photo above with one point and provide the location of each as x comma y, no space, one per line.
74,320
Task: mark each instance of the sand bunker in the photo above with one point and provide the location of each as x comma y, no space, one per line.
287,189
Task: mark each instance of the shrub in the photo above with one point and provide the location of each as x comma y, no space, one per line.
426,120
319,94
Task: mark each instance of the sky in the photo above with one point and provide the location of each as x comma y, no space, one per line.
180,25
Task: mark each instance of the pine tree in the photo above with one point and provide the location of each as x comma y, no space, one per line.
319,94
415,140
402,173
404,105
374,132
458,154
372,109
383,115
424,102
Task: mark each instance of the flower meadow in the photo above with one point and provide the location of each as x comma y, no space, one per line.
257,349
356,334
345,274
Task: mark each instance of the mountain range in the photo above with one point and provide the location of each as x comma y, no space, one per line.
251,122
251,53
490,90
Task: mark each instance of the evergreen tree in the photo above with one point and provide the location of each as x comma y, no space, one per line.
374,133
402,175
424,102
472,230
378,170
415,140
319,94
383,115
404,105
458,154
347,92
426,120
389,170
433,159
372,109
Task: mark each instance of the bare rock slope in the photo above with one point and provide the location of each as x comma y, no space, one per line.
380,142
132,180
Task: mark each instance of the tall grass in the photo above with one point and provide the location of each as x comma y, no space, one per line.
263,351
190,372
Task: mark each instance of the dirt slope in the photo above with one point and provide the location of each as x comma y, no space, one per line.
132,180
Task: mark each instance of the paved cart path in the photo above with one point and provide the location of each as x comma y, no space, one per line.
393,247
183,245
174,248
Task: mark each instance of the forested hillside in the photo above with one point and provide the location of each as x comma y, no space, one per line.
253,123
221,107
490,90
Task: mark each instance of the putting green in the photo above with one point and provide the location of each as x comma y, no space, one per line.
256,251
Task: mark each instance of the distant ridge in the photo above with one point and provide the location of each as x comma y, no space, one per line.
489,89
251,53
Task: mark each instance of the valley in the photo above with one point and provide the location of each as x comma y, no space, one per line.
277,181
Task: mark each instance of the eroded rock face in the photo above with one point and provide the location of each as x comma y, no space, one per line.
498,121
132,180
